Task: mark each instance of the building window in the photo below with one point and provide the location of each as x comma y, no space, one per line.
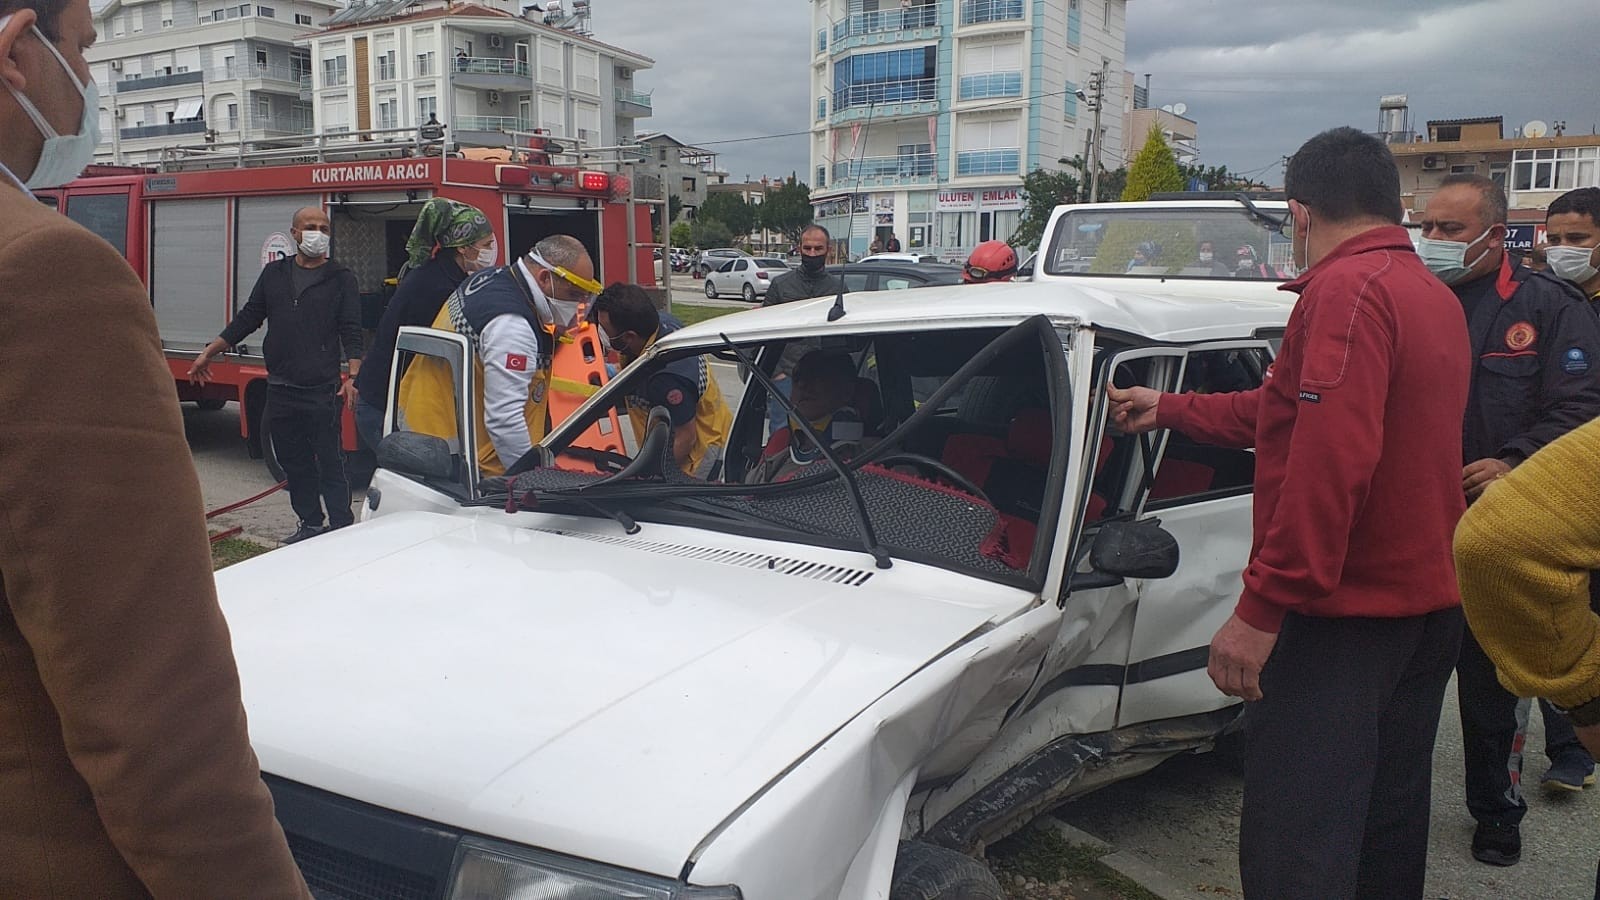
427,107
975,12
688,185
885,77
822,108
261,60
335,71
386,66
302,19
822,176
263,108
1555,169
989,147
389,113
427,64
1071,101
990,70
166,23
266,12
1497,174
822,39
1463,170
1107,22
233,117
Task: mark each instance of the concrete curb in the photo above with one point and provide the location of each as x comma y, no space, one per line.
1130,866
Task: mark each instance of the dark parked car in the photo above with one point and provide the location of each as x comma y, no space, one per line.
895,276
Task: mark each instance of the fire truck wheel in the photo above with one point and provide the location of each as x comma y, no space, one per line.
211,404
711,290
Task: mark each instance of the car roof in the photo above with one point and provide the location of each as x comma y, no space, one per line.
1166,318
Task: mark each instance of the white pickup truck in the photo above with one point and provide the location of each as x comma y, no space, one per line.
624,682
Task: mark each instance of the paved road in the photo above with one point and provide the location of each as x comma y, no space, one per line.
1184,818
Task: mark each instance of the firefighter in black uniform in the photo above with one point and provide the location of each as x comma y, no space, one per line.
1536,376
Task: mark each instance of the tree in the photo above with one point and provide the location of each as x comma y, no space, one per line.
1042,192
1154,170
1112,181
682,235
707,232
787,210
728,208
674,205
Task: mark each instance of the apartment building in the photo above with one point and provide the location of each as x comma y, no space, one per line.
930,112
486,73
193,72
686,172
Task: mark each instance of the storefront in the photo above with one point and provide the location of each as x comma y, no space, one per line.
967,217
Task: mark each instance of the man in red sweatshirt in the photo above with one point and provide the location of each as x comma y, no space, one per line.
1349,622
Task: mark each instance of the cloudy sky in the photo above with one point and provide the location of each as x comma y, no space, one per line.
1259,76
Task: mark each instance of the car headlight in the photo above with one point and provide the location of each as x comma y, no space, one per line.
489,870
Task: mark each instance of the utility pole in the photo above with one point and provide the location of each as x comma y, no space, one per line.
1097,93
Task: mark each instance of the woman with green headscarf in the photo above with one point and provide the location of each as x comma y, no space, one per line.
450,241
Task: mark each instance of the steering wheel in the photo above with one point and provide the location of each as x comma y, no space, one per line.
929,464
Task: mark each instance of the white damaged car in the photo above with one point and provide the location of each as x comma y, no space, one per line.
597,677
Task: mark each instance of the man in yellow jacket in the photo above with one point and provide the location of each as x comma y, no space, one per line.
685,387
1524,552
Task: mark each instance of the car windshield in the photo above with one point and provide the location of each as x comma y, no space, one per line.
948,436
1164,242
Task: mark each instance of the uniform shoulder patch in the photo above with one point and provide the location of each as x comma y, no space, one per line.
1521,336
516,362
1575,361
675,396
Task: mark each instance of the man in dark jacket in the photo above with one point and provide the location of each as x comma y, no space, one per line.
313,309
811,280
1536,376
1349,622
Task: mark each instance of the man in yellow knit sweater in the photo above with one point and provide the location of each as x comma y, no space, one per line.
1524,552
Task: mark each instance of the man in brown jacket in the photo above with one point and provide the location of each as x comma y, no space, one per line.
125,767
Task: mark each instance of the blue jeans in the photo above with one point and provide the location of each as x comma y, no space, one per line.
369,424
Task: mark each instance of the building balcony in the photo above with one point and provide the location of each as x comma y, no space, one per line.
283,77
982,12
487,131
887,171
280,125
305,87
486,73
896,98
999,161
990,85
883,26
169,129
633,104
128,85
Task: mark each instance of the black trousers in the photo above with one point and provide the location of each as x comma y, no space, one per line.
1494,725
1338,770
304,423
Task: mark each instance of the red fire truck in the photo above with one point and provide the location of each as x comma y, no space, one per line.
198,230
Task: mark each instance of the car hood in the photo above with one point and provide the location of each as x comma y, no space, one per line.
583,692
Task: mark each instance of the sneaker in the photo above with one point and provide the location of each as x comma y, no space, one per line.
302,533
1497,844
1572,772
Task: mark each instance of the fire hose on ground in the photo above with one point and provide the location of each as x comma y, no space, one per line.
236,530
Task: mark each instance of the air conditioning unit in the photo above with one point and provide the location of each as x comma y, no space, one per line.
496,42
494,98
1433,163
116,65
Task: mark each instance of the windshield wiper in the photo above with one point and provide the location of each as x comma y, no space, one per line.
858,504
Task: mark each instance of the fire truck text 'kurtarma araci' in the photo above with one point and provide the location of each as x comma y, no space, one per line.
199,227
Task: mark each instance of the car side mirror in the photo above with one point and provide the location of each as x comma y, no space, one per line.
422,455
1140,549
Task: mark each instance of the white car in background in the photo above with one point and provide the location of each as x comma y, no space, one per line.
748,277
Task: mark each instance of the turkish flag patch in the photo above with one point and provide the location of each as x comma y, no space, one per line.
516,362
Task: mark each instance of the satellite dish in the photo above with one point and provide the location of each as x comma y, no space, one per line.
1167,108
1179,109
1535,129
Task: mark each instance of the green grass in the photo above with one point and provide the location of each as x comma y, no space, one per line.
1043,853
228,551
689,315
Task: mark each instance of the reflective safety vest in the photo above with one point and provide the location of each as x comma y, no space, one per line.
427,392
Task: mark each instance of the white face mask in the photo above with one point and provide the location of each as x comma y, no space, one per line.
1207,257
1575,264
314,244
63,157
487,256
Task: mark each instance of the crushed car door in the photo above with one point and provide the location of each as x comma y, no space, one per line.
1202,495
432,383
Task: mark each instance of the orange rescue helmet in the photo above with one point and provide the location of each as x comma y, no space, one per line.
990,261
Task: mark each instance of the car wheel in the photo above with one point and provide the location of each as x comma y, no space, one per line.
925,872
749,293
711,290
211,404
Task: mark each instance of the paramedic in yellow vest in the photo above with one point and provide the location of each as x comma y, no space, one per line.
512,316
700,418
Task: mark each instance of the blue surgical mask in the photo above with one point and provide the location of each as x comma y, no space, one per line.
63,156
1447,259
